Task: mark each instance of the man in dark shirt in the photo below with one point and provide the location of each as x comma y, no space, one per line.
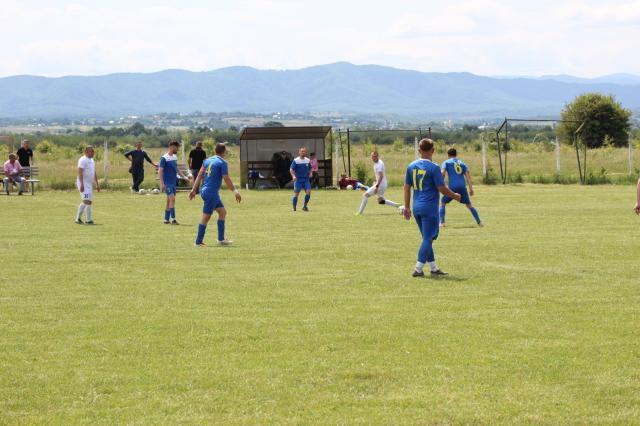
196,158
25,154
137,157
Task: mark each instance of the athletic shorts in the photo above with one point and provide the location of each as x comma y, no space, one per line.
381,189
211,202
87,195
300,185
170,190
464,194
429,226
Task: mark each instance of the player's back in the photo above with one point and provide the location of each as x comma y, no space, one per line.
169,164
455,169
425,178
214,169
301,167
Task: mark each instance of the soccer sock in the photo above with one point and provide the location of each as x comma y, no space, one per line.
81,208
443,212
167,213
172,211
391,203
201,230
433,266
475,214
363,204
419,266
294,201
87,212
220,230
307,197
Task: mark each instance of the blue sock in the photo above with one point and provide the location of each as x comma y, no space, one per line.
220,230
443,212
166,214
295,201
475,214
426,254
307,197
201,230
173,212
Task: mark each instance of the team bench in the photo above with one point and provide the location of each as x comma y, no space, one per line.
31,178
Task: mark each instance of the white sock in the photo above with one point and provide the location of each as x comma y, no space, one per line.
87,211
433,266
364,204
419,266
391,203
80,210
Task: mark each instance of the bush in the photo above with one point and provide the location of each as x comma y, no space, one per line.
124,148
599,178
361,172
45,147
491,178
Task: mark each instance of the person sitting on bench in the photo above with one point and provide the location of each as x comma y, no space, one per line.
12,174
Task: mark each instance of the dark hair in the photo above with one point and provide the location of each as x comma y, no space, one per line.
312,154
426,145
220,148
174,143
452,152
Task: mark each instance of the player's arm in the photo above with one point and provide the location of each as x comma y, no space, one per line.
444,190
128,156
80,178
160,176
407,201
467,175
293,174
637,208
95,180
231,186
149,160
196,184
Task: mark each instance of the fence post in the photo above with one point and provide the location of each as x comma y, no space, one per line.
416,147
105,160
484,159
631,171
557,156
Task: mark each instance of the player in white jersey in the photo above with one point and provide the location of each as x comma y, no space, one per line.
85,181
379,187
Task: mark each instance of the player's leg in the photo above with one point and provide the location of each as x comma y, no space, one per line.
365,198
428,225
296,192
442,212
88,211
474,213
382,200
85,206
207,210
222,215
307,195
167,206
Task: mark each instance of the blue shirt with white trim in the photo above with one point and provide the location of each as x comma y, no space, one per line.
169,166
301,168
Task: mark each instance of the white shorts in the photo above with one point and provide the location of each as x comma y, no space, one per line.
381,189
87,195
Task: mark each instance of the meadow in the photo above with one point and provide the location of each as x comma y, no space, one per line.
314,317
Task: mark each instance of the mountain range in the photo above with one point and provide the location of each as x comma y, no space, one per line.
339,87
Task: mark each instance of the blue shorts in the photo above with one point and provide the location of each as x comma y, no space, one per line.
211,202
299,185
170,189
429,226
464,194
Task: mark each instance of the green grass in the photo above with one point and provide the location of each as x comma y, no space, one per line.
313,318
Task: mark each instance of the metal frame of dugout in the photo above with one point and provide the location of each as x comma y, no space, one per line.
260,147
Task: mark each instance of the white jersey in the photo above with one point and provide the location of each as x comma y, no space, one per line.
379,168
88,167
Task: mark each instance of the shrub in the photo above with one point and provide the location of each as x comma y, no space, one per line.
361,172
45,147
491,178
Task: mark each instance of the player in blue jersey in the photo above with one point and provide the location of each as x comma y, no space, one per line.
425,178
168,173
458,175
301,173
214,170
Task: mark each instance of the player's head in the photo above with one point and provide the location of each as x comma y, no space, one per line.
12,158
25,143
220,149
375,156
139,145
452,153
312,155
89,151
426,146
302,152
173,146
199,145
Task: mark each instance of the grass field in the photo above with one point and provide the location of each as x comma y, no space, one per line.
314,318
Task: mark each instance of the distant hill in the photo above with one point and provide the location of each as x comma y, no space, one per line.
339,87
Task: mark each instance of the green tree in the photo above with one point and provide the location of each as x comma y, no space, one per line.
604,118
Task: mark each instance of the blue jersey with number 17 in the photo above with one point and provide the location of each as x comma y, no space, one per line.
214,169
425,178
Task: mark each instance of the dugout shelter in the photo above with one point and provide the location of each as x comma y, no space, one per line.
266,154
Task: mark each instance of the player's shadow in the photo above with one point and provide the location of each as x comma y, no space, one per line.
461,227
452,278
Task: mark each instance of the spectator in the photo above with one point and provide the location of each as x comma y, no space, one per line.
281,162
137,157
196,158
12,170
25,154
346,181
315,177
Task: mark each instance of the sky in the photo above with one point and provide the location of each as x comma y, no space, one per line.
486,37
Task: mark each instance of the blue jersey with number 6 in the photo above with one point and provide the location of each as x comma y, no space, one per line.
425,178
455,173
214,169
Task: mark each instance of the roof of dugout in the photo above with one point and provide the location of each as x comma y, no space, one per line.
307,132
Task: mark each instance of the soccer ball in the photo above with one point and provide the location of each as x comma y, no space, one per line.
156,191
349,187
142,192
401,210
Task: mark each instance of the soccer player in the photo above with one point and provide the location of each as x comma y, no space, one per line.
212,172
637,207
301,173
168,173
85,180
424,176
379,187
457,172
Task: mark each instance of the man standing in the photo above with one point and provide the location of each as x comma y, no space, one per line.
168,173
213,171
458,175
25,154
300,170
137,157
315,177
85,181
12,174
196,158
424,176
379,187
